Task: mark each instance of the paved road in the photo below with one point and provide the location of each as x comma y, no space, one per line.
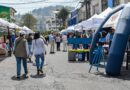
60,75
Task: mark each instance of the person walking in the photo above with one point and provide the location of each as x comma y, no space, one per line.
39,50
21,53
58,41
64,40
52,43
29,40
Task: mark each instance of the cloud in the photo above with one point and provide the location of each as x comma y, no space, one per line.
29,7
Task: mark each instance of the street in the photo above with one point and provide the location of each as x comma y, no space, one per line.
60,75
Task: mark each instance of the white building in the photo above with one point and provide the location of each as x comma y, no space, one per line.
52,22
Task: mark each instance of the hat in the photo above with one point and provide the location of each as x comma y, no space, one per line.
22,33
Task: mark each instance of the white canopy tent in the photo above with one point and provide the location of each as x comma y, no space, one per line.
78,27
113,20
27,30
14,26
63,31
70,29
4,23
93,22
105,12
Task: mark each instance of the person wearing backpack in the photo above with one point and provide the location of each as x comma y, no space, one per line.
21,53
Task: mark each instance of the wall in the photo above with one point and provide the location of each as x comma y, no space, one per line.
5,13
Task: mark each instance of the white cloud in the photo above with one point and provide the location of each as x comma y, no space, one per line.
28,7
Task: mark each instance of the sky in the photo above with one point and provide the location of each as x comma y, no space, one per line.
24,8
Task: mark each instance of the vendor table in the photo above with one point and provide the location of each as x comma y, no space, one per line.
77,53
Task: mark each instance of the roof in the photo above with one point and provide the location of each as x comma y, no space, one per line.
8,7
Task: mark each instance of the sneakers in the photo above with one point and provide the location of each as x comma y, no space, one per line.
25,76
39,72
18,77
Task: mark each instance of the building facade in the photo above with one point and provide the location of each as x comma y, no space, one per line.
52,22
7,13
90,7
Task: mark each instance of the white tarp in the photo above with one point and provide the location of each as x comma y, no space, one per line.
113,20
27,30
14,26
70,29
4,23
78,27
93,22
105,12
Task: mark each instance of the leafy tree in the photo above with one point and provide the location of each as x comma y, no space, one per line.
29,20
63,14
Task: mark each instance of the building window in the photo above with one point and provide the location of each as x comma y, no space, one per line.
104,4
96,9
126,1
116,2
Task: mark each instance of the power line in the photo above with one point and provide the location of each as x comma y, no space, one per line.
34,2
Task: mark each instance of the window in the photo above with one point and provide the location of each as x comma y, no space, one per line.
126,1
104,4
116,2
96,9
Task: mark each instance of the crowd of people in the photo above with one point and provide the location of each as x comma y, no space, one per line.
25,46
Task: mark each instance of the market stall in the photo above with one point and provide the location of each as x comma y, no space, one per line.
78,49
93,22
27,30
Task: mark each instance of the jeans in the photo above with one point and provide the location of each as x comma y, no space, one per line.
58,46
52,46
19,60
29,47
64,45
39,61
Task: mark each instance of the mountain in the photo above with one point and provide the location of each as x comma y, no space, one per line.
41,13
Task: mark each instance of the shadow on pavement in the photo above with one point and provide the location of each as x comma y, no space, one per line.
77,61
38,76
2,58
125,74
16,79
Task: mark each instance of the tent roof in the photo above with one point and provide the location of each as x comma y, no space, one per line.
105,12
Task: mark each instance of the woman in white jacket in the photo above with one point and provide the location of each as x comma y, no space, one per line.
39,50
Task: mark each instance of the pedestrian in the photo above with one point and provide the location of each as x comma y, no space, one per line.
58,41
52,43
21,53
64,40
39,50
29,40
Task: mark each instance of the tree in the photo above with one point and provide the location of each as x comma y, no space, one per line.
29,20
63,14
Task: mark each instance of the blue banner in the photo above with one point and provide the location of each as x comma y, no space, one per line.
79,40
